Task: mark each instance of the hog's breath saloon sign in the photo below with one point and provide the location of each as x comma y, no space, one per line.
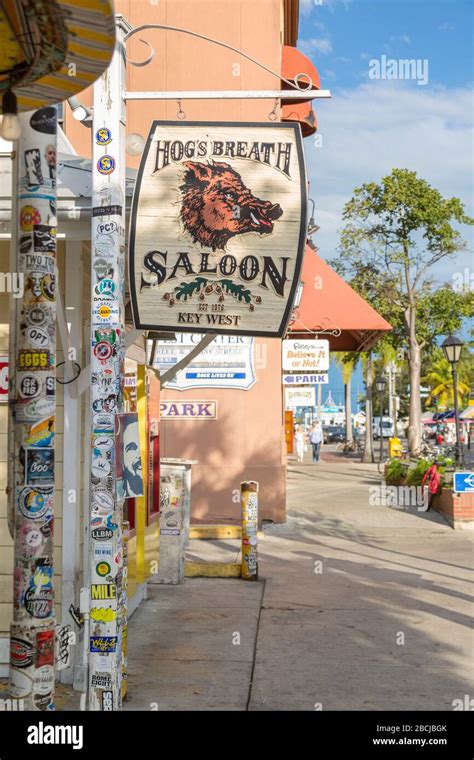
218,228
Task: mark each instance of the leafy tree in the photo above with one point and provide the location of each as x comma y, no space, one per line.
395,233
440,380
347,361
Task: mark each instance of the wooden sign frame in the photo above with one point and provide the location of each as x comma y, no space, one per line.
192,238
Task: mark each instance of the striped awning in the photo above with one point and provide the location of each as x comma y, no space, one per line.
53,49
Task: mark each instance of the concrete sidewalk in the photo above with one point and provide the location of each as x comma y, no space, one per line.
358,607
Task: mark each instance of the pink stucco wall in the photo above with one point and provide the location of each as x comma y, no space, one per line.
245,442
247,439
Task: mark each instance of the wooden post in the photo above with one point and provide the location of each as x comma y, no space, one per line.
249,497
33,411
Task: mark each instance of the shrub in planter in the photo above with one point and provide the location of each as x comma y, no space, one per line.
415,474
395,473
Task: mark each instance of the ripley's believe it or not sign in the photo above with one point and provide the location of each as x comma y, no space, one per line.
218,228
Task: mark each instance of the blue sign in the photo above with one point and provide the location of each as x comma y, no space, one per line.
463,482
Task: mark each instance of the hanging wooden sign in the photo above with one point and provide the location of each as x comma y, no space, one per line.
218,228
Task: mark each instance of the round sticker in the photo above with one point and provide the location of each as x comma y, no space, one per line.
37,315
103,442
39,602
25,243
103,351
104,312
106,164
105,288
102,268
100,467
22,653
103,136
44,120
30,540
30,387
34,503
103,569
43,680
48,284
29,216
41,408
103,422
37,337
102,500
20,683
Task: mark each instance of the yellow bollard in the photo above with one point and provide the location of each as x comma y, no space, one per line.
394,447
249,496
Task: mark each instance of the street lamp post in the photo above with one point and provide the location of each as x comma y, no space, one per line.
452,347
380,385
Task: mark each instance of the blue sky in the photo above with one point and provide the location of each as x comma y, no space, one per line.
371,126
340,34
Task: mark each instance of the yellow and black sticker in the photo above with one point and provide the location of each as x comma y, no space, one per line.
33,359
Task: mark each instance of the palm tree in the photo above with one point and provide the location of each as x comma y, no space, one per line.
347,361
440,380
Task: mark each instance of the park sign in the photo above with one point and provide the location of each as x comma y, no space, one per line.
320,378
218,228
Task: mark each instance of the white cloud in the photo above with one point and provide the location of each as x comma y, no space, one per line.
402,38
377,127
315,45
306,6
446,27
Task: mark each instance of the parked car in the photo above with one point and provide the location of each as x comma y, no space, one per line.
387,427
334,433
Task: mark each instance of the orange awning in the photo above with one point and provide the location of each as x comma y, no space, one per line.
296,65
330,308
303,114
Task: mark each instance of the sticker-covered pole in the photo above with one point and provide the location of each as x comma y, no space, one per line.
33,406
249,497
106,382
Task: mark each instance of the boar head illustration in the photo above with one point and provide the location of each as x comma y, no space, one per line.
216,205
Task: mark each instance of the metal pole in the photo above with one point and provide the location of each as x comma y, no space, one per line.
33,409
459,452
249,496
230,95
381,426
107,381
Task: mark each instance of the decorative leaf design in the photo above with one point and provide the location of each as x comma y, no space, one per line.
187,290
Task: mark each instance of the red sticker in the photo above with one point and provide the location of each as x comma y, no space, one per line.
103,350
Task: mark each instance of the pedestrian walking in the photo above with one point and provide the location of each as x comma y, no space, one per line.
433,477
316,440
300,442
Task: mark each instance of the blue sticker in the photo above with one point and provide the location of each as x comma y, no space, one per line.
103,136
106,164
103,644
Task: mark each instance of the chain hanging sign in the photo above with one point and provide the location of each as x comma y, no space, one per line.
218,228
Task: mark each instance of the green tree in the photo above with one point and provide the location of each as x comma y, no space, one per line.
399,230
440,381
347,361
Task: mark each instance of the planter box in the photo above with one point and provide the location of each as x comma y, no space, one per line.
457,508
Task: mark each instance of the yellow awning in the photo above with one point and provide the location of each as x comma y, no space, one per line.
50,49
